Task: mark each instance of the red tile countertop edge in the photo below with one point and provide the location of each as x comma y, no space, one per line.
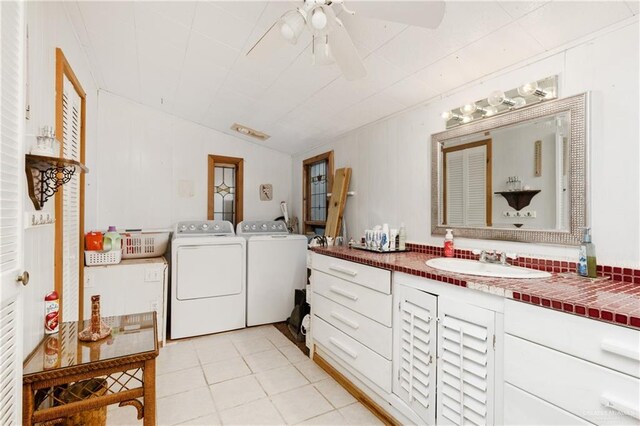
612,300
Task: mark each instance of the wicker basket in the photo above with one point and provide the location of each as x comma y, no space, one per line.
97,258
80,391
141,245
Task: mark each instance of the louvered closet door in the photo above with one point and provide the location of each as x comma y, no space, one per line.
71,102
415,350
465,364
11,194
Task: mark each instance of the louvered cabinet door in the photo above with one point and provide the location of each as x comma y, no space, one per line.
465,364
415,350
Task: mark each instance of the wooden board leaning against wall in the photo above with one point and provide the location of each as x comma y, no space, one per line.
337,202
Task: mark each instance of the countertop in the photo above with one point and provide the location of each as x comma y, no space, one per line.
607,300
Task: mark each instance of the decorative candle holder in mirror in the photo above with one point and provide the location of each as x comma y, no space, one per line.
46,143
470,165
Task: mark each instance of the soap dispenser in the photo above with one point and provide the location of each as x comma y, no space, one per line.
448,243
587,257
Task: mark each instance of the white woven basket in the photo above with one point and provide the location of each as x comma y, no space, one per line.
140,245
96,258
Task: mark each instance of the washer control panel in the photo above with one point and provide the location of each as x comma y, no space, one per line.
266,227
205,227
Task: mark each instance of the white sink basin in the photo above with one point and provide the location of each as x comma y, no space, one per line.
473,267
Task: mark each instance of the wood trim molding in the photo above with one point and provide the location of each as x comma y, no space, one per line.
63,68
488,143
239,196
306,200
371,405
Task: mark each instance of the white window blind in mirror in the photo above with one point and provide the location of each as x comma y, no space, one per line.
11,178
466,185
71,116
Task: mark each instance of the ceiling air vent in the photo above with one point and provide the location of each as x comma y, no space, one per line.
247,131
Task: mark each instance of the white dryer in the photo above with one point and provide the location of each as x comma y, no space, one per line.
276,266
208,279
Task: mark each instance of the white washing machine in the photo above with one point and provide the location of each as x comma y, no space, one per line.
208,279
276,266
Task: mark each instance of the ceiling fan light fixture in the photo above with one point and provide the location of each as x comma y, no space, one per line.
318,19
321,51
291,25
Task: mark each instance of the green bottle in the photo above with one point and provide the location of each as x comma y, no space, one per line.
587,258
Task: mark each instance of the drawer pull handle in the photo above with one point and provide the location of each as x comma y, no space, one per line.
345,321
621,407
343,348
619,349
346,271
341,292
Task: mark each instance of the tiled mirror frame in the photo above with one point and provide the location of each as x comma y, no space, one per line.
578,108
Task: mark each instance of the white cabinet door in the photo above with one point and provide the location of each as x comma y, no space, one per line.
465,364
414,337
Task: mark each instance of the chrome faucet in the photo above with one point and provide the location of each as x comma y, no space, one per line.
493,256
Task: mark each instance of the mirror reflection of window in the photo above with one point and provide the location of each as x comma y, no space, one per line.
467,184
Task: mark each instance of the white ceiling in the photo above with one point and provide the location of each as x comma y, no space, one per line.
188,58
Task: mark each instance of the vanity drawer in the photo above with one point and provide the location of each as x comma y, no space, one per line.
522,408
366,331
368,276
353,353
609,345
589,391
370,303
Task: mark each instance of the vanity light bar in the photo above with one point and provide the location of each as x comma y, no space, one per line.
499,102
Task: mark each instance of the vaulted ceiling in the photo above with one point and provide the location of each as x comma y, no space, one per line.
188,59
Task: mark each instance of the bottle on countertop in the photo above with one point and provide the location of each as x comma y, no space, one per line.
402,238
587,256
384,244
448,243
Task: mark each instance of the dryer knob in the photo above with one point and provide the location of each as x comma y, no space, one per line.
192,227
264,226
274,226
183,227
246,227
216,227
205,226
253,227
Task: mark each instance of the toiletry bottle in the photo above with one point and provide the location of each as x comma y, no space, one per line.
402,238
448,243
587,257
385,238
112,239
393,237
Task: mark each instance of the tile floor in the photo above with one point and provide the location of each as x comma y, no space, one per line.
254,376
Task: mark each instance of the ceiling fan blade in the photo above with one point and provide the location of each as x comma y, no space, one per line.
427,14
345,53
268,44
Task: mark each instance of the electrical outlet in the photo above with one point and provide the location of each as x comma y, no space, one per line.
529,213
152,275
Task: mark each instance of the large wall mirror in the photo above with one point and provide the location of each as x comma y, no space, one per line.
520,176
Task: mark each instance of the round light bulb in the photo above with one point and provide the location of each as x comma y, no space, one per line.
496,98
446,115
550,93
519,102
469,109
287,31
490,110
528,89
467,118
318,19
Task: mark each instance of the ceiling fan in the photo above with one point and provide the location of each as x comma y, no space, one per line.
330,39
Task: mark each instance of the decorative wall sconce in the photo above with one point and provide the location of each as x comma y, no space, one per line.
499,102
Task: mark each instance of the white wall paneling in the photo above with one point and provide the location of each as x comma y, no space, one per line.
50,27
391,158
152,168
